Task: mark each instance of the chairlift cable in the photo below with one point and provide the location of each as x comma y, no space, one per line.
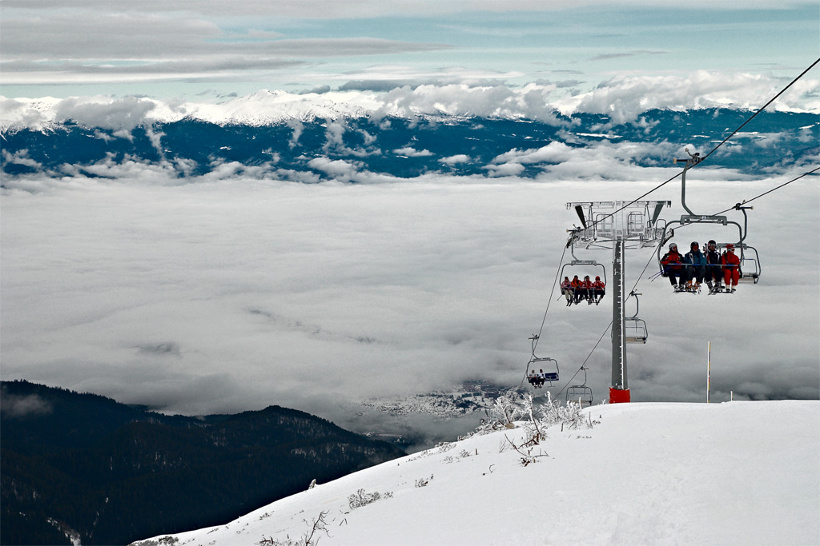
546,312
651,259
761,109
549,301
585,360
733,133
770,191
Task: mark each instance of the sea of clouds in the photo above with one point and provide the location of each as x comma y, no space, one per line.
233,294
243,288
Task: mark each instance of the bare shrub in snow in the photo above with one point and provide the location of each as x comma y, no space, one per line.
568,415
506,409
360,498
310,538
444,447
161,541
535,427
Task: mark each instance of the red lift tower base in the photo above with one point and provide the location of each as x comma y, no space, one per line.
618,396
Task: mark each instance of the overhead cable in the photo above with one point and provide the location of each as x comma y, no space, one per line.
745,201
733,133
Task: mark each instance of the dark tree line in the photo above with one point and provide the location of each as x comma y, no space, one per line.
115,473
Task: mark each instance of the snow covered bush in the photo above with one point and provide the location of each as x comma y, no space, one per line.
310,537
513,406
360,498
568,415
508,408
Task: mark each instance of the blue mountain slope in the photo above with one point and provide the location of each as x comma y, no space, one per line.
405,148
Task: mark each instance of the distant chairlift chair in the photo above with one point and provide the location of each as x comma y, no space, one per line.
537,362
582,393
635,328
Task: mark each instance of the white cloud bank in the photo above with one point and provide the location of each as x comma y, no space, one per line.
622,98
311,295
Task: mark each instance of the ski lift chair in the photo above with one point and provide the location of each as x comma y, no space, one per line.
635,328
749,266
537,362
749,273
582,393
692,218
575,262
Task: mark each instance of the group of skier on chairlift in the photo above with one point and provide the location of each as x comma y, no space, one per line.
576,290
687,271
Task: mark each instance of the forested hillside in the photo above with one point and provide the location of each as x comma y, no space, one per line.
107,473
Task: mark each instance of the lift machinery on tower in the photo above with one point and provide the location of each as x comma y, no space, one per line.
619,225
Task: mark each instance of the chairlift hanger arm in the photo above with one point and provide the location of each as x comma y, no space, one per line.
693,160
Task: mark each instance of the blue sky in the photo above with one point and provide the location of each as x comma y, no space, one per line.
186,49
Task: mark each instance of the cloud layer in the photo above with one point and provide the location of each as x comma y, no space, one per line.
623,98
183,48
234,293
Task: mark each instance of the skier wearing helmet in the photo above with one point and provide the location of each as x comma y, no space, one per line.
695,268
731,268
714,269
674,268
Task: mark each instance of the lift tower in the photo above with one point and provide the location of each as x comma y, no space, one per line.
618,225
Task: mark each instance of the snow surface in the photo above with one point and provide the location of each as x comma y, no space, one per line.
645,473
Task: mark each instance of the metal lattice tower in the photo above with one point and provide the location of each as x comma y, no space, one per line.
618,225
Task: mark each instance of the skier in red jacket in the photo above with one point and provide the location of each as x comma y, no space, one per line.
731,268
674,268
598,290
577,287
586,288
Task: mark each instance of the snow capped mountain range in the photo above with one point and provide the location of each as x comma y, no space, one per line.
623,98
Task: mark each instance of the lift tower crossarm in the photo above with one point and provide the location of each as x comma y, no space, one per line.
618,225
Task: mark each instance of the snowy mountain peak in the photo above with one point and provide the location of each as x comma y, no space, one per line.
623,98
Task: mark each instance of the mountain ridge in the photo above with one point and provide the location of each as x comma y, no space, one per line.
365,149
106,472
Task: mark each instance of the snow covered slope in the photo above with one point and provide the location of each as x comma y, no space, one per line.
644,473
